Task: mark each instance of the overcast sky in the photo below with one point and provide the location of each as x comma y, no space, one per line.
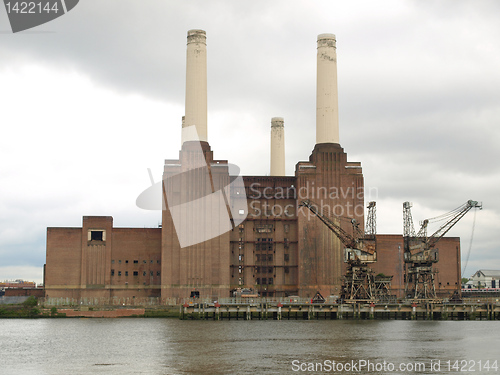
92,99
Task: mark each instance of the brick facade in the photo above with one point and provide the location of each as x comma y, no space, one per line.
281,249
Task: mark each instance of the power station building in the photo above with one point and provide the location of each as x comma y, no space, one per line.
254,235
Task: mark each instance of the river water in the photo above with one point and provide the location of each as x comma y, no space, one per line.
171,346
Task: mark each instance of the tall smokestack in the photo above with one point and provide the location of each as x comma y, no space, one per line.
277,146
327,107
196,86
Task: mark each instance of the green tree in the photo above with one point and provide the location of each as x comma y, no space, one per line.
30,302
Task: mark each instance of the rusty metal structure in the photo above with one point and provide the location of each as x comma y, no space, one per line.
359,282
371,219
420,252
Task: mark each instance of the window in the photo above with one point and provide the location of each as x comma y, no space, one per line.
126,273
270,280
287,257
144,273
270,269
112,261
257,281
264,228
157,273
96,235
144,261
287,270
126,261
264,244
150,273
151,261
119,273
158,262
136,261
136,273
119,261
112,272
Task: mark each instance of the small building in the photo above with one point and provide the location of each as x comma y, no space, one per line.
485,279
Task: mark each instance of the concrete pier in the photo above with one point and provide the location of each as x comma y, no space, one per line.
263,310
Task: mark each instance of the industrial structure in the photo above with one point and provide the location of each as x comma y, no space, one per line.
281,248
421,252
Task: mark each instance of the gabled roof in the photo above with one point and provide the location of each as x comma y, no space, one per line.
489,273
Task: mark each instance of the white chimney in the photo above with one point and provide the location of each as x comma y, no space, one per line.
277,146
327,107
196,86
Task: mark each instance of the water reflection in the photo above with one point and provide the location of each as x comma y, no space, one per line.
169,346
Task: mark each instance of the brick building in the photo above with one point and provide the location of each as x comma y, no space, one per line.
279,249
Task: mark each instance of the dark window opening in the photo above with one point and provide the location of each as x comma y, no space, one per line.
96,235
112,272
144,273
157,273
194,294
126,273
136,273
126,261
136,261
151,273
119,273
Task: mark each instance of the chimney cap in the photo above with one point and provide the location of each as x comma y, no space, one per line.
196,31
197,36
277,122
326,36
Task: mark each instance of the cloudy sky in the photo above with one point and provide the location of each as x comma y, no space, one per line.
93,99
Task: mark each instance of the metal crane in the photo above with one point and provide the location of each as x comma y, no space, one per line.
359,251
420,252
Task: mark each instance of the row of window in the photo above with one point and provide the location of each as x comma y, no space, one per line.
263,269
264,281
264,257
136,273
135,261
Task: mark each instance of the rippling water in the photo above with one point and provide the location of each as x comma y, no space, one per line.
170,346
